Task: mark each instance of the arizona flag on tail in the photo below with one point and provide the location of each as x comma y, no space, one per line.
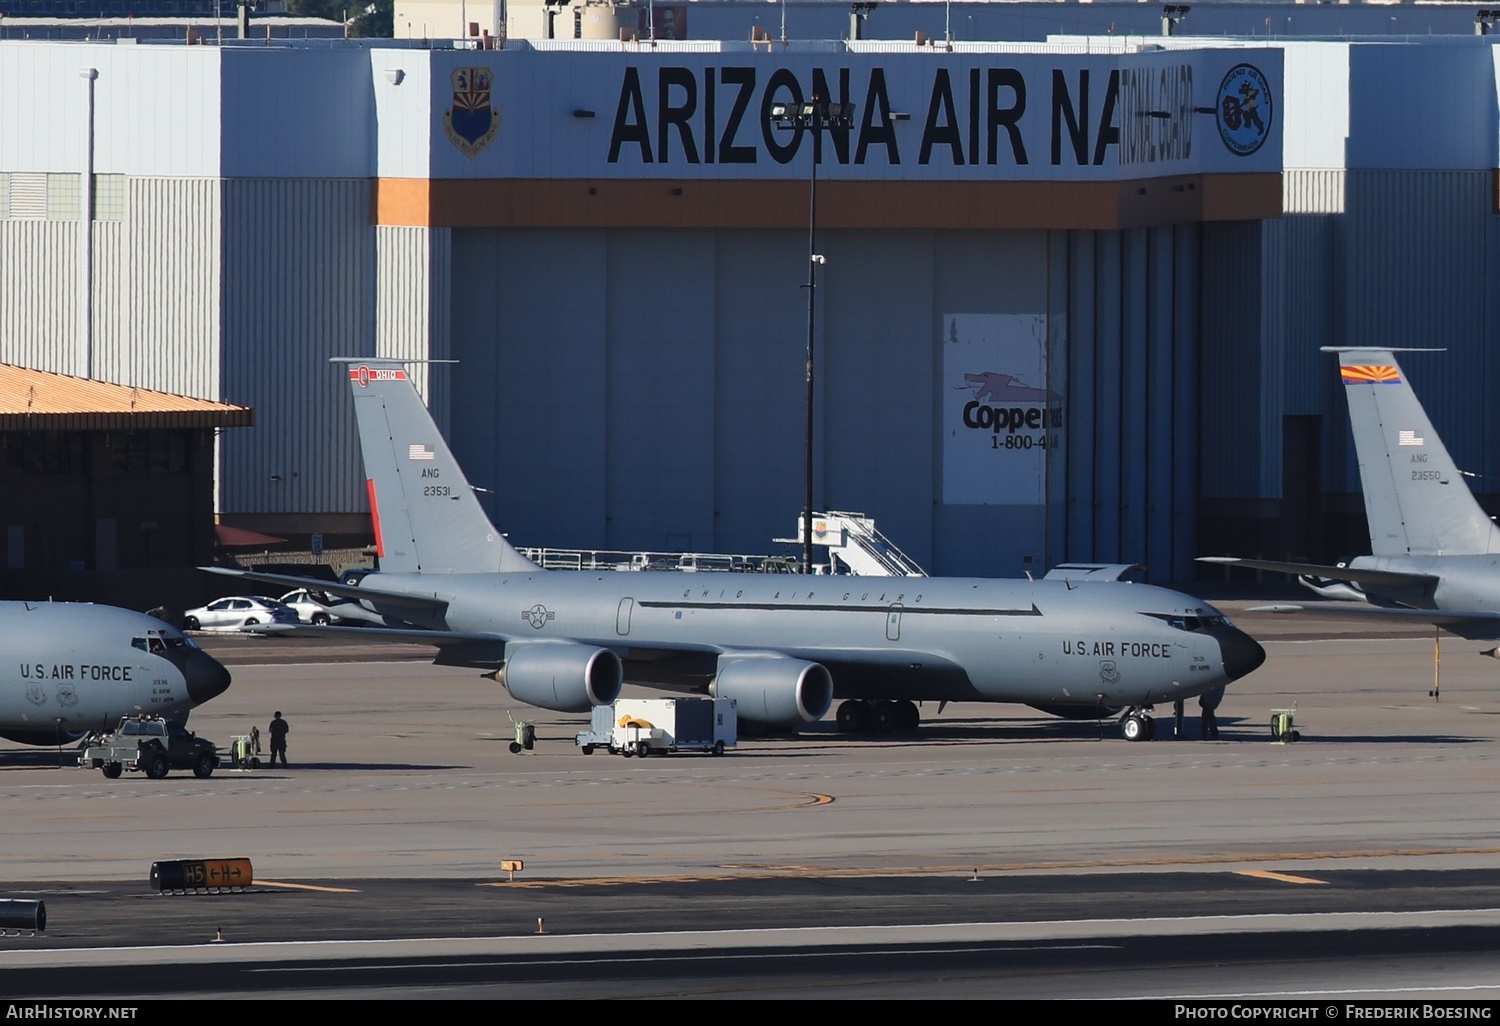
1371,374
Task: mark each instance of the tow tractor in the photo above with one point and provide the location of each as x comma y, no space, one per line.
151,745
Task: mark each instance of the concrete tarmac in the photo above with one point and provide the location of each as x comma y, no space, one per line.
401,771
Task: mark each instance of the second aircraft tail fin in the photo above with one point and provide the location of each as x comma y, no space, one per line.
1416,500
427,518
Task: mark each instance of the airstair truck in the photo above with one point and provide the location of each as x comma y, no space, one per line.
657,726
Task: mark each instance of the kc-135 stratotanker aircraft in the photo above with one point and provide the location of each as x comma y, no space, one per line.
67,668
1077,643
1435,553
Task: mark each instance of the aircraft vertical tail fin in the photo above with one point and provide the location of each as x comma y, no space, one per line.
1416,500
427,518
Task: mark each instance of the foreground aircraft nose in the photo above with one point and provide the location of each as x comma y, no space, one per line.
1242,653
206,677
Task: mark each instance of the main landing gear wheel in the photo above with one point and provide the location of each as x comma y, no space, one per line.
859,716
853,717
1138,727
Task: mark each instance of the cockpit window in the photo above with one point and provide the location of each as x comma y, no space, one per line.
1184,622
139,643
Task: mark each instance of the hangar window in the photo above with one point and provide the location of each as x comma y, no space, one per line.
109,197
44,452
148,452
62,197
36,196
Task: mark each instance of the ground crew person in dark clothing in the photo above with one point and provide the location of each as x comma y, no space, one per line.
278,731
1208,702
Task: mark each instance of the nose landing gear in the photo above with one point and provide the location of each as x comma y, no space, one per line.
1138,725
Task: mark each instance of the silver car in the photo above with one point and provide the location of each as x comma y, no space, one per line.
230,614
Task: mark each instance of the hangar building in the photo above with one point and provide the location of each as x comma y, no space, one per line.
1070,309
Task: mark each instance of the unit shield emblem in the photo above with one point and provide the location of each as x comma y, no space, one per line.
1244,110
471,123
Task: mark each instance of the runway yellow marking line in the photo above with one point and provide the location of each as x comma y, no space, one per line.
1266,874
303,887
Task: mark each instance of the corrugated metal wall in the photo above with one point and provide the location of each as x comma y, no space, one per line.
38,280
1419,270
413,307
168,295
155,290
644,389
1405,259
1133,345
298,280
1230,369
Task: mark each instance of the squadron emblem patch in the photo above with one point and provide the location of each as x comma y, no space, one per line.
1244,110
471,123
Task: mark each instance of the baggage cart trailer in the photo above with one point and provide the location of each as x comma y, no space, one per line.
657,726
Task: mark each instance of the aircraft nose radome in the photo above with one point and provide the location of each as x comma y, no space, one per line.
206,677
1242,653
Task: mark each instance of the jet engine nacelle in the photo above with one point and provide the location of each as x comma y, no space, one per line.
774,689
562,676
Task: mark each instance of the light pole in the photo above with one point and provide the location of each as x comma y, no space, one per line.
816,114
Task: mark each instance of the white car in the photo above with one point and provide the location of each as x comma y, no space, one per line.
310,609
230,614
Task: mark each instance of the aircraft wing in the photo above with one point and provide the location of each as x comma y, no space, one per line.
352,591
455,648
1375,578
1474,624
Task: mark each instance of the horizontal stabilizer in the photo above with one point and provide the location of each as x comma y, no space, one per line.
1378,578
1091,571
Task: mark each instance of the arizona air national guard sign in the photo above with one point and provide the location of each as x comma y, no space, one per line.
1043,117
